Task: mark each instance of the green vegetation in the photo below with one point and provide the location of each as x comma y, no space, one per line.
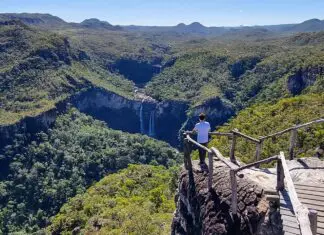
242,72
138,200
38,69
41,175
264,119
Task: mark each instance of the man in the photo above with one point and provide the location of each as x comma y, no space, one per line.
202,128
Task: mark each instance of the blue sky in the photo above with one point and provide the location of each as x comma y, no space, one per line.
168,12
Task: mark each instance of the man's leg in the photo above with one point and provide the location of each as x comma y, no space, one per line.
202,154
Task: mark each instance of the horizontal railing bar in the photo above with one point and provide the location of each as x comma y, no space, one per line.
308,123
270,159
197,144
291,128
246,136
211,133
218,155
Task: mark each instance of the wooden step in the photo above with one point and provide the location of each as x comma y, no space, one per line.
291,230
308,192
310,185
308,188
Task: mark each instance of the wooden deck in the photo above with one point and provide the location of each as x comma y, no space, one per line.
310,195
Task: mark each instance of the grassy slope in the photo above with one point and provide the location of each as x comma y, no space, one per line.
137,200
263,119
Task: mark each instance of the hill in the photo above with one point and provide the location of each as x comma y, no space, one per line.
39,174
108,206
263,119
39,69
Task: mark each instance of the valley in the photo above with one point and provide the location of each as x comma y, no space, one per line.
82,103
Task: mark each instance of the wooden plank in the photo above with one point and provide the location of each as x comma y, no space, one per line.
246,136
290,223
309,206
304,187
291,230
197,144
300,210
320,219
320,224
232,152
293,138
288,233
210,173
320,231
312,202
289,129
310,185
291,218
314,193
267,160
218,154
285,211
312,197
234,191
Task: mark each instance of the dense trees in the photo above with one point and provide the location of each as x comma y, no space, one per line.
63,162
137,200
263,119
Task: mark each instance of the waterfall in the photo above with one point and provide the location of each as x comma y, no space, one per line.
152,124
141,118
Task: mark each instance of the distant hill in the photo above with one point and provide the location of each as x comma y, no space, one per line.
49,21
313,25
97,24
36,19
195,28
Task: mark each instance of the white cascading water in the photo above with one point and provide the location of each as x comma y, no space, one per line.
141,118
152,124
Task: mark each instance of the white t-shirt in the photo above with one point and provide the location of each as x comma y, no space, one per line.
202,128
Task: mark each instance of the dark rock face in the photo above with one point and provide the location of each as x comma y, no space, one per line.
200,211
241,66
138,72
161,120
217,112
302,79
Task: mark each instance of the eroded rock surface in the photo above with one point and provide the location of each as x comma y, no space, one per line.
200,211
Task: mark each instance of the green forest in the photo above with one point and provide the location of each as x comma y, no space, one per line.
77,152
138,200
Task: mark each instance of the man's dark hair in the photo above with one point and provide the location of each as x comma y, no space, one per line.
202,116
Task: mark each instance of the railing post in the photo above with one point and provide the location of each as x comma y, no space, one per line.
293,138
313,220
234,191
187,152
232,152
210,170
258,152
280,176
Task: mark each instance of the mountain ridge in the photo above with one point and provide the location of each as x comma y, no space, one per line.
311,25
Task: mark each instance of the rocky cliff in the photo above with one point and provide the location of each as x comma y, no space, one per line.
200,211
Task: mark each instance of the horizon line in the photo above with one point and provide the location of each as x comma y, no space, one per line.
186,24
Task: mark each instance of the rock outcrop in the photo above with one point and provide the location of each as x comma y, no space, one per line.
303,78
200,211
